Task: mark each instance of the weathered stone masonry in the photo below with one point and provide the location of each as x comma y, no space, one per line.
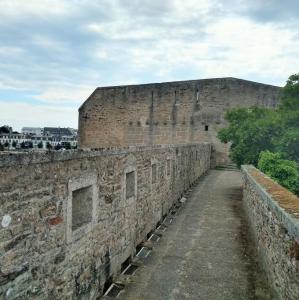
53,246
168,113
273,215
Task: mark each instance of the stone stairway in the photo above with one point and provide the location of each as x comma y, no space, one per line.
230,166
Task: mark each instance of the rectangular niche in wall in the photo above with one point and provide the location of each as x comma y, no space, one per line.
168,167
130,184
154,173
81,207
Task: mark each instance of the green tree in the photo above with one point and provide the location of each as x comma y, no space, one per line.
6,144
58,147
4,129
14,144
284,171
288,144
290,94
40,145
259,136
48,146
67,145
250,131
1,147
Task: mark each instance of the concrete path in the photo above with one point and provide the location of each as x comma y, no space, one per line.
205,253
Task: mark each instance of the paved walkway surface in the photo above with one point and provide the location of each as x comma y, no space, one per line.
205,253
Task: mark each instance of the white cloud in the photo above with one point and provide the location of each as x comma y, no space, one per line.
122,30
48,43
59,94
13,9
21,114
66,48
11,51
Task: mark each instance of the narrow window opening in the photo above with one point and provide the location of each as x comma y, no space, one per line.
138,247
206,127
168,167
126,263
149,234
154,173
176,100
107,284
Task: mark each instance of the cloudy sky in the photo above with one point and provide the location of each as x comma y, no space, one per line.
53,53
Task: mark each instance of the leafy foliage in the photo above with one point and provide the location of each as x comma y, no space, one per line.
67,145
284,171
4,129
251,131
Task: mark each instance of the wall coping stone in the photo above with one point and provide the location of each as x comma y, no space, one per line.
178,83
9,159
289,220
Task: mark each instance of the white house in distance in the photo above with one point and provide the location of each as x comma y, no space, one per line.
13,138
33,130
37,137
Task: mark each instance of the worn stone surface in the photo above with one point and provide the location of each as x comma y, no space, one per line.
205,253
167,113
276,232
42,256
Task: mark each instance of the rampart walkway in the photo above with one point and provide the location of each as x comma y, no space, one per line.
205,253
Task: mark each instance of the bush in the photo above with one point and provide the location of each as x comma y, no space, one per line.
284,171
58,147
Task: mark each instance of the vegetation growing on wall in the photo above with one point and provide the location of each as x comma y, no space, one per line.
268,138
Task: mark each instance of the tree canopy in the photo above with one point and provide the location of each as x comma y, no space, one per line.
282,170
251,131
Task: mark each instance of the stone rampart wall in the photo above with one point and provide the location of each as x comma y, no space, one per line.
70,219
273,215
168,113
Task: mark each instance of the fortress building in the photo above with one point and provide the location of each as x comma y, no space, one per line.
73,222
178,112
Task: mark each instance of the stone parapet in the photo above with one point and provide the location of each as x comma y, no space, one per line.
273,214
69,220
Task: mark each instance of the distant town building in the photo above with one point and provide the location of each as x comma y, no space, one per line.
10,139
38,138
33,130
57,131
